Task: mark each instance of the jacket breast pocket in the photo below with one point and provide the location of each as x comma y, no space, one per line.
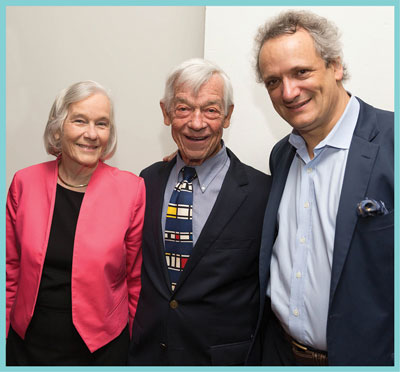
233,244
229,354
375,223
374,240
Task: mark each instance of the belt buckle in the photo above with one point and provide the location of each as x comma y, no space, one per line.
301,347
307,356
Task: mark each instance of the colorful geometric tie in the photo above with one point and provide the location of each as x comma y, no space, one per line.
178,226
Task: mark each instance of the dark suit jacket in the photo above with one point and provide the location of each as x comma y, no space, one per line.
211,316
360,328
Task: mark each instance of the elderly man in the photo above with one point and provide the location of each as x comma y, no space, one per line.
326,259
202,231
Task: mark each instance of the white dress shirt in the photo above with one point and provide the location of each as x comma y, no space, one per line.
206,187
301,260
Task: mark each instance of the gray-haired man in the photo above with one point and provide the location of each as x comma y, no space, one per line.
199,299
326,259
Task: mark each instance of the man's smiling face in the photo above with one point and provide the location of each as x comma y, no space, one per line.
303,89
197,120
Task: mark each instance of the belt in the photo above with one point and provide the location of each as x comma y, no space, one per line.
305,355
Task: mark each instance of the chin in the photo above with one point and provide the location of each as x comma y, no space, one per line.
192,159
89,164
298,122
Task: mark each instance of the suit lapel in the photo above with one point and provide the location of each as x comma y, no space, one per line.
282,161
155,208
232,195
360,161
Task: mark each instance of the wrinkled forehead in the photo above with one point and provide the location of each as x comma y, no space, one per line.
212,88
96,106
288,51
300,41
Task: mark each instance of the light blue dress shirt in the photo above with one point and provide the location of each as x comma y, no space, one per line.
206,187
301,260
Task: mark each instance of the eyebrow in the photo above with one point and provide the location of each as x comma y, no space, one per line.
207,103
76,114
292,70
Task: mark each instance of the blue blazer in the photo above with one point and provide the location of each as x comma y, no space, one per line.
211,316
360,328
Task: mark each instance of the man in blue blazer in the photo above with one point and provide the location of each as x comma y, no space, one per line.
205,315
327,252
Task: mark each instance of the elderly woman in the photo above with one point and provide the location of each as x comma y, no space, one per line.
73,242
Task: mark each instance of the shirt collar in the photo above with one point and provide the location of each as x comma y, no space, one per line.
208,170
341,134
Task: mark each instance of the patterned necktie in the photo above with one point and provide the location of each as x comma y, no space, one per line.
178,226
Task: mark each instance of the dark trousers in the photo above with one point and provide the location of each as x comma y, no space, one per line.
276,349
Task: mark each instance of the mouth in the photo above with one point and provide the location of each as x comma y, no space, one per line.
196,138
297,105
87,147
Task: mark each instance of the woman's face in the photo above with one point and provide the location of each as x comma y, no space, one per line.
86,131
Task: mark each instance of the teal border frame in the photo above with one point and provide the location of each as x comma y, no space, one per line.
5,3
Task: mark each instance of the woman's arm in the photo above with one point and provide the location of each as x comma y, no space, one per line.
12,251
133,241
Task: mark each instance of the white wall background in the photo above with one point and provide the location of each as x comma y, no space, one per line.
368,47
130,50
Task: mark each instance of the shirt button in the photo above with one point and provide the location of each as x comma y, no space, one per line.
163,346
173,304
298,275
296,312
309,170
306,205
203,188
302,240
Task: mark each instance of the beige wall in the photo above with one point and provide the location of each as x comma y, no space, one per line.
368,48
129,50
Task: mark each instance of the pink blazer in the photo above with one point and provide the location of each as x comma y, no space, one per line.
107,255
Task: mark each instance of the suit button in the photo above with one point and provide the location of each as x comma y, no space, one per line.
173,304
163,346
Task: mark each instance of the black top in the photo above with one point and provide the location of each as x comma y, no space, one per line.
51,338
55,285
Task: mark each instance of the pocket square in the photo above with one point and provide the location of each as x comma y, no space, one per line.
371,207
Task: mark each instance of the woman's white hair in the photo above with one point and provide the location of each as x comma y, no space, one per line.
59,111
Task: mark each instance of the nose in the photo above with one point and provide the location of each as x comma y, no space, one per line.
196,122
91,132
290,90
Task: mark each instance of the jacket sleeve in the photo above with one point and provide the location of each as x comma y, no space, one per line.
12,251
133,241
